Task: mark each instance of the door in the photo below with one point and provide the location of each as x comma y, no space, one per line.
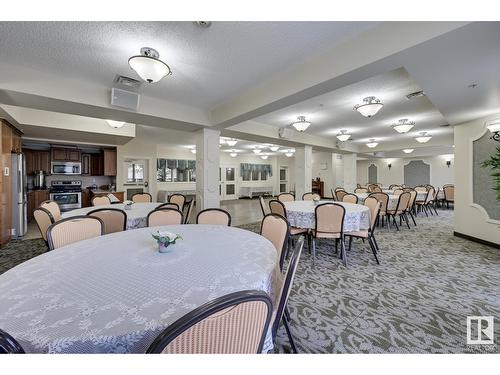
227,187
136,173
284,180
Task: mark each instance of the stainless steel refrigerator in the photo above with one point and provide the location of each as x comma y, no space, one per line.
19,196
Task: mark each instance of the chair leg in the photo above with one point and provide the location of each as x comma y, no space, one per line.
413,218
336,245
375,243
406,219
350,243
374,251
287,314
394,221
344,255
290,338
314,249
434,206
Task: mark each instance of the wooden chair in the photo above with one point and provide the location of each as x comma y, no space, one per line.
114,219
330,225
9,345
53,208
179,200
350,198
236,323
142,198
164,216
214,216
262,203
73,229
44,220
101,201
189,210
276,229
286,197
449,195
310,196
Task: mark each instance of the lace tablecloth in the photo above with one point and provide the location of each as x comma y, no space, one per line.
136,216
391,203
116,293
300,214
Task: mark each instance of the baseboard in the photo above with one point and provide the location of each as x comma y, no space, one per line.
478,240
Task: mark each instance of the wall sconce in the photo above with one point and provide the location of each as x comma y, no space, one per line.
389,165
494,127
448,163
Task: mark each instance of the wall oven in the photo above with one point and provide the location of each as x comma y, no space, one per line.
66,167
67,194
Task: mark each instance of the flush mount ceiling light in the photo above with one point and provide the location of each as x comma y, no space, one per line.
257,150
408,150
403,126
274,148
231,142
233,154
193,150
372,143
264,156
423,137
301,124
494,127
370,107
289,153
343,136
115,124
149,66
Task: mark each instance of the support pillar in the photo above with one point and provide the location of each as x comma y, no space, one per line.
303,171
207,169
350,172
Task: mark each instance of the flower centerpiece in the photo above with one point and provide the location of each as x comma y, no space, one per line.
165,239
128,205
316,199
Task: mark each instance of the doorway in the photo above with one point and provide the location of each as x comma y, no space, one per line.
284,180
228,182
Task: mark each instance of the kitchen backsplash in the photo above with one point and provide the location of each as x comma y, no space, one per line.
87,181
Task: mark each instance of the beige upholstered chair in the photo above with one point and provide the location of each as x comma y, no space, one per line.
262,203
214,216
53,208
189,210
73,229
142,198
376,189
114,219
339,194
101,201
420,189
276,229
360,190
398,191
374,205
449,194
167,205
429,202
330,224
400,210
286,197
350,198
164,216
277,207
411,204
178,199
310,196
233,324
44,219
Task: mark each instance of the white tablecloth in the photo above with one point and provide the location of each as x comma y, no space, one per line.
391,203
116,293
136,216
421,195
300,214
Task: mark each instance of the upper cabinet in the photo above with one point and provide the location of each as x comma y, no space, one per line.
37,160
109,162
65,154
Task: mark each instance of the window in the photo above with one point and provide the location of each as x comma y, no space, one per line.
263,175
175,170
246,175
255,175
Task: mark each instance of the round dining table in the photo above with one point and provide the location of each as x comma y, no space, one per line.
301,214
392,203
136,215
116,293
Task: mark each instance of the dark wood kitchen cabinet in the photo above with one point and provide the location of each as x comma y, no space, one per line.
96,165
109,162
86,165
65,154
37,160
35,198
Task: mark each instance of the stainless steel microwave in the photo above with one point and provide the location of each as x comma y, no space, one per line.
66,167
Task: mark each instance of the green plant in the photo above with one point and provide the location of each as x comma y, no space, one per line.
166,238
494,163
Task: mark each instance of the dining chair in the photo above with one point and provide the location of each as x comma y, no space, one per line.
397,191
9,345
376,189
73,229
310,196
333,194
142,198
189,210
236,323
330,225
214,216
179,200
286,197
339,195
449,195
374,205
101,201
262,203
350,198
53,208
164,216
400,210
114,219
360,190
286,287
411,205
44,220
420,189
167,205
276,229
383,198
277,207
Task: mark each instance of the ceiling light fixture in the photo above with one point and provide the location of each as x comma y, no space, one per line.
301,124
193,150
274,148
264,156
343,136
289,153
231,142
149,66
370,108
408,150
372,143
115,124
423,137
494,127
257,151
403,126
233,154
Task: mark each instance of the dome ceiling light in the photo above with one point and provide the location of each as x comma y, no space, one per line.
403,126
372,143
370,107
408,150
233,154
289,153
149,66
115,124
231,142
423,137
274,148
264,157
301,124
193,150
343,136
257,151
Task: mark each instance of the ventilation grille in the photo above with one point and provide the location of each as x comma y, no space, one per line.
126,83
415,94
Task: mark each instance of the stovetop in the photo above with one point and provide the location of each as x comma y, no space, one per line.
66,186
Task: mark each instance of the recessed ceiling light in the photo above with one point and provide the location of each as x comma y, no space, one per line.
149,66
370,107
343,136
301,124
423,137
372,143
403,126
408,150
115,124
274,148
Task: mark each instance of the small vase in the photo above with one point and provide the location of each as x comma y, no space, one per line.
127,207
164,247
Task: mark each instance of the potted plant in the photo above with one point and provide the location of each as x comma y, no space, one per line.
494,163
165,239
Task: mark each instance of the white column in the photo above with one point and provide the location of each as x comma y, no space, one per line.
303,171
350,173
207,169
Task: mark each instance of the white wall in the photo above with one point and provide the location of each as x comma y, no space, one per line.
471,219
323,168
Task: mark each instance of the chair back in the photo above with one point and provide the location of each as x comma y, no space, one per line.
339,194
277,207
420,189
101,201
44,220
333,194
178,199
286,287
360,190
53,208
168,205
164,216
430,195
383,198
262,203
189,210
398,192
413,197
214,216
236,323
276,229
142,198
404,199
73,229
395,186
114,219
376,189
329,218
310,196
449,192
374,205
286,197
350,198
9,345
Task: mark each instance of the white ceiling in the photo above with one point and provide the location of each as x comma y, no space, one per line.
209,65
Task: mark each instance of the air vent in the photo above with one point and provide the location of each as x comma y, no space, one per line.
415,94
444,125
126,83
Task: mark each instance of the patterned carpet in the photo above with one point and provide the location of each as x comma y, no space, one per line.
415,301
